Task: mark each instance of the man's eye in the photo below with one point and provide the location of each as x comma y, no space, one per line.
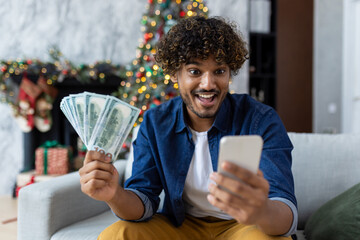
194,71
220,71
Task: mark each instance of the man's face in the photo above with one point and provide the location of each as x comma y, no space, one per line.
203,85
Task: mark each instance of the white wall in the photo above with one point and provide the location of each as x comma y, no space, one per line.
328,65
85,31
11,149
351,75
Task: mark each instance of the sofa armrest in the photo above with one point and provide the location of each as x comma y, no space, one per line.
46,207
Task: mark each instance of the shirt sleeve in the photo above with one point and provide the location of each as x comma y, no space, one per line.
148,210
293,208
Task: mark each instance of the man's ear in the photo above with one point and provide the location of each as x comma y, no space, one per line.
174,78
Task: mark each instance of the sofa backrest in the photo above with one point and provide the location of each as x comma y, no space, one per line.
324,165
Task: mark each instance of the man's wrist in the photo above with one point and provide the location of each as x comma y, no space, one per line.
276,218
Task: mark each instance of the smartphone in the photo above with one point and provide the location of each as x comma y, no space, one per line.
244,151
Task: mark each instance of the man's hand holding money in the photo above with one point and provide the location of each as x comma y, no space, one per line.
98,177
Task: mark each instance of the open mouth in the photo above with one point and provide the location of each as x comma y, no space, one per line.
206,99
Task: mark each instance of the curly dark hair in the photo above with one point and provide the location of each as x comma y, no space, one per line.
198,37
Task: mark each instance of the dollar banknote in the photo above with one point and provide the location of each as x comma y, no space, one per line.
94,105
113,126
102,122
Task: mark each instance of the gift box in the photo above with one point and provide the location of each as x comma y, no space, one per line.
26,178
52,158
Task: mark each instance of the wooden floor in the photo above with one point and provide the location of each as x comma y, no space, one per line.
8,212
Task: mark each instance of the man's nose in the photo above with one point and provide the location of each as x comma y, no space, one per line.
208,81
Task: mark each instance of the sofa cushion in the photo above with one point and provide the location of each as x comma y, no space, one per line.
88,229
324,166
337,219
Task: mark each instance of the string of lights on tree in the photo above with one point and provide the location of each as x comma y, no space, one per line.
146,85
142,82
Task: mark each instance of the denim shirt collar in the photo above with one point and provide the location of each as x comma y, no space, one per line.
222,121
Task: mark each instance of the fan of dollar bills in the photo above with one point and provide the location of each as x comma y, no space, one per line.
102,122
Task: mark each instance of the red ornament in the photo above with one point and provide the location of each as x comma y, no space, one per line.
156,101
182,14
65,72
3,69
124,145
139,74
29,61
150,1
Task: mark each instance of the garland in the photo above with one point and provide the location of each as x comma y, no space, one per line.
29,85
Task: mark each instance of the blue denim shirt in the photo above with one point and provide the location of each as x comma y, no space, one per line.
164,148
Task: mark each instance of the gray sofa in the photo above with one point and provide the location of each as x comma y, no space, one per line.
323,166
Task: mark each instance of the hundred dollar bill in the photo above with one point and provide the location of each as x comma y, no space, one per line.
73,115
94,106
79,104
112,126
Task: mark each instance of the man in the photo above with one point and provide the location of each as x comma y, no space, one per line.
176,150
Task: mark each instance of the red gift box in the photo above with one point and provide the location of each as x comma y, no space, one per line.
52,158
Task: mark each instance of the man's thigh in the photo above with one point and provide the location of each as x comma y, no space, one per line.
159,228
243,232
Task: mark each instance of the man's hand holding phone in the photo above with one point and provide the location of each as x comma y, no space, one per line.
241,189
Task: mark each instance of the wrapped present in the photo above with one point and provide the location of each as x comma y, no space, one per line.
26,178
52,158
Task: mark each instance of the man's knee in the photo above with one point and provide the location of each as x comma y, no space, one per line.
121,230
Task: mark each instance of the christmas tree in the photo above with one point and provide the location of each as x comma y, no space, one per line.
146,85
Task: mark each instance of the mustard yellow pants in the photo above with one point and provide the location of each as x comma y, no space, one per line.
160,228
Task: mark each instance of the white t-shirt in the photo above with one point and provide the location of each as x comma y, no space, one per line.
198,180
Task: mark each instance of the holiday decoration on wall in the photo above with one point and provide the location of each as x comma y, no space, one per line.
29,85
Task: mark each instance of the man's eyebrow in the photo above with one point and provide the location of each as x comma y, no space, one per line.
194,62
